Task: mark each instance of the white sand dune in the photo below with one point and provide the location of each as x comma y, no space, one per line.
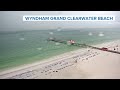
79,64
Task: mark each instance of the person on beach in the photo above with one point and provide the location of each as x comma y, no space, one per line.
75,61
88,50
117,47
114,48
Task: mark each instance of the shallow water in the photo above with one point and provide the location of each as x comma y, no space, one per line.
21,47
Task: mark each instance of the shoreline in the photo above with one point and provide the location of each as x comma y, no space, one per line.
53,59
47,59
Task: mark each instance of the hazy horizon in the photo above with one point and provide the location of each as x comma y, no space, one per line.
13,20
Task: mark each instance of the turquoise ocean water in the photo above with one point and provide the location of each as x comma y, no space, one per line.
22,47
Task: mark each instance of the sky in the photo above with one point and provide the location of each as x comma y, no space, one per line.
13,20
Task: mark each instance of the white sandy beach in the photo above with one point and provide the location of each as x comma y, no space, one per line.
79,64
